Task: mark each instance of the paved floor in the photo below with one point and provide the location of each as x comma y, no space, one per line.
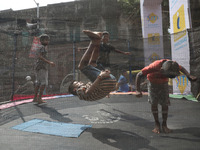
122,122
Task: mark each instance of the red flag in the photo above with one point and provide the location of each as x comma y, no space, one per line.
35,46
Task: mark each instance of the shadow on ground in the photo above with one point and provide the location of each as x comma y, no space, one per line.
123,140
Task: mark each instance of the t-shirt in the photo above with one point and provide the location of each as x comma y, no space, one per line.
102,90
104,52
40,64
123,84
153,72
28,88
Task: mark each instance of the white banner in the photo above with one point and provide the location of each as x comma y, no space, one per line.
179,22
151,16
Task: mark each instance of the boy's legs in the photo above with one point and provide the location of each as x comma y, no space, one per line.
40,84
154,109
91,54
159,94
36,93
86,56
153,99
94,56
37,86
38,98
42,87
165,116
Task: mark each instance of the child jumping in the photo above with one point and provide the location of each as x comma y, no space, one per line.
102,81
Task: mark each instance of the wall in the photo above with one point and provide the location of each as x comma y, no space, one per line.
64,23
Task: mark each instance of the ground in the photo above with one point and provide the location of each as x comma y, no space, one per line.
121,122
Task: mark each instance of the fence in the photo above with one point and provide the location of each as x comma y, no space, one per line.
16,63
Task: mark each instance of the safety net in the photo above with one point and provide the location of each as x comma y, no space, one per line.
18,60
19,43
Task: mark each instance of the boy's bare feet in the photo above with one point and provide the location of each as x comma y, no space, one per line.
34,100
94,64
165,129
92,35
156,129
40,101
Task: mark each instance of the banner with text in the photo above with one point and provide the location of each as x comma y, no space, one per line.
179,23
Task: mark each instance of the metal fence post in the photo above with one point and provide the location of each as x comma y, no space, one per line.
74,60
13,65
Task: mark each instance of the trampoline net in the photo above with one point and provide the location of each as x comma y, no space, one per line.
17,56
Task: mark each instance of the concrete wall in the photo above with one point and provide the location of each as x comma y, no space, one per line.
64,23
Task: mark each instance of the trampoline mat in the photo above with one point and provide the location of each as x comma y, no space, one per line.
52,128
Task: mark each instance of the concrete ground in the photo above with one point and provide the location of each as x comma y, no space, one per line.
121,122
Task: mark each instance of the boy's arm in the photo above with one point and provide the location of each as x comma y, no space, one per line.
25,85
189,76
47,61
137,82
102,75
117,86
122,52
112,48
82,48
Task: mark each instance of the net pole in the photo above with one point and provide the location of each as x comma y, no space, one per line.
74,58
13,65
130,71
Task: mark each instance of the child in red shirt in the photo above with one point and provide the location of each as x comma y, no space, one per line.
158,74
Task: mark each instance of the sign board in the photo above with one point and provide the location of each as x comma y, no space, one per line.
179,23
151,16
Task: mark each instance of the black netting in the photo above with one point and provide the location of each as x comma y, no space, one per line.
194,38
64,26
16,62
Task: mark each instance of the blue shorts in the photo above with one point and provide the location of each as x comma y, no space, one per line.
92,73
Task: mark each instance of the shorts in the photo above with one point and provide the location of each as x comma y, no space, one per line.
158,94
92,73
100,66
41,77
